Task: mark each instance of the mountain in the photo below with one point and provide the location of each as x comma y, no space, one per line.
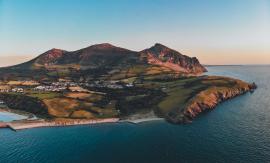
92,56
164,56
106,60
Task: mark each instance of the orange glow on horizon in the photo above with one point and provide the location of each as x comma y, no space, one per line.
230,57
13,60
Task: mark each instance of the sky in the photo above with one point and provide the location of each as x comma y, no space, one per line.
215,31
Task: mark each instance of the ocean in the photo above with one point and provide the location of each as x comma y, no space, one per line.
238,130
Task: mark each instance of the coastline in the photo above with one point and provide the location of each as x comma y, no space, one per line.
141,117
141,120
212,100
28,124
40,123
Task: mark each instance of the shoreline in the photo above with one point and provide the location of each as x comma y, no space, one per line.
141,117
212,100
142,120
28,124
41,123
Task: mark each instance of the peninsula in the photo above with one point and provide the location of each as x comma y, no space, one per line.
105,83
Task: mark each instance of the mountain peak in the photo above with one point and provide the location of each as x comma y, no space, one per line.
54,51
50,56
102,46
159,48
164,56
159,45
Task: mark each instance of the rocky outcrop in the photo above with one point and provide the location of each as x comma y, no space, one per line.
164,56
208,100
50,57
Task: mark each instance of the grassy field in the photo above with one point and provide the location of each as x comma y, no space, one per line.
178,92
44,95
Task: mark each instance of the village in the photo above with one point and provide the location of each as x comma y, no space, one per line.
59,86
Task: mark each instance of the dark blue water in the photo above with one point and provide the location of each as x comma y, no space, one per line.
236,131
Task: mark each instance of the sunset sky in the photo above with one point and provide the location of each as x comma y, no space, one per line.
215,31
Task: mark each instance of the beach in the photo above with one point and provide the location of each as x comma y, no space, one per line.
27,124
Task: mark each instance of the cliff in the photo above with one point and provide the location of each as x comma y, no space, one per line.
208,99
164,56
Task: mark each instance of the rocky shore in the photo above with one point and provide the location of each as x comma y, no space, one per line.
208,100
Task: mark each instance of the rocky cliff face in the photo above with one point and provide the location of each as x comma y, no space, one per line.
209,99
164,56
50,57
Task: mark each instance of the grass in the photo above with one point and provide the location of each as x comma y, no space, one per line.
61,107
44,95
90,97
4,87
130,98
118,76
82,114
177,93
78,105
129,80
109,110
137,69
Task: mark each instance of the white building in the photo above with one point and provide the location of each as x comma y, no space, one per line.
18,90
